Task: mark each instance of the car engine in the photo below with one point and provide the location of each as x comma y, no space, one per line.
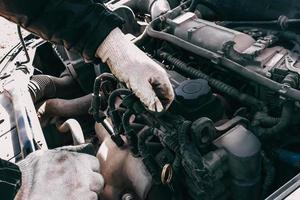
232,130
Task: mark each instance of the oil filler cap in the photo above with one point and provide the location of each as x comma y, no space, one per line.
193,92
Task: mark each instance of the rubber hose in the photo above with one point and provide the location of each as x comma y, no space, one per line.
182,133
282,22
207,4
45,87
73,126
148,160
292,81
263,119
288,35
170,140
129,132
193,5
285,120
68,108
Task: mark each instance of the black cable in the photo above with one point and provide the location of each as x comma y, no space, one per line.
193,5
283,22
24,47
147,157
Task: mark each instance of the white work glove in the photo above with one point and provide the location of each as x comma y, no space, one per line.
61,173
147,79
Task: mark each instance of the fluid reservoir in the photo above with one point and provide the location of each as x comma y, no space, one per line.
194,99
193,92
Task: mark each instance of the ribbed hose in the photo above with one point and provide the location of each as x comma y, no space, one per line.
170,140
182,133
216,84
41,86
193,165
280,124
263,119
285,119
45,87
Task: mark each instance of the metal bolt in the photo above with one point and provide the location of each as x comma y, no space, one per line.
268,74
127,196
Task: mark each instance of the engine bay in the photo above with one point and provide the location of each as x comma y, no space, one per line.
232,130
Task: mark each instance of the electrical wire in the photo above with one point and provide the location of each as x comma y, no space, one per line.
24,47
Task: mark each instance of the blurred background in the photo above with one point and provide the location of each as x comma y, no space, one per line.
8,36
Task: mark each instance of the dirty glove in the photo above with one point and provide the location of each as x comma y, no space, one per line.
60,174
147,79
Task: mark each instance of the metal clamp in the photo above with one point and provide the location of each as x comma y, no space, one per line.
290,64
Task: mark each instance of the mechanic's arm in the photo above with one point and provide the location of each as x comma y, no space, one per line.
92,30
79,25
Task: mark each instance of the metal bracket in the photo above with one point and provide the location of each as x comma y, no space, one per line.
290,64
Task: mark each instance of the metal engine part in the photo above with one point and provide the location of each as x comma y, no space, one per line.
207,34
232,132
197,152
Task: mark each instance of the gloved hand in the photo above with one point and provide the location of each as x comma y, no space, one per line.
147,79
61,174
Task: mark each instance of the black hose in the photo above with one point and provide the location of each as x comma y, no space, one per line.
192,162
205,3
147,158
226,62
99,102
193,5
264,120
218,85
43,87
291,80
114,112
284,121
126,120
67,108
182,133
290,36
170,140
130,133
115,94
283,22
